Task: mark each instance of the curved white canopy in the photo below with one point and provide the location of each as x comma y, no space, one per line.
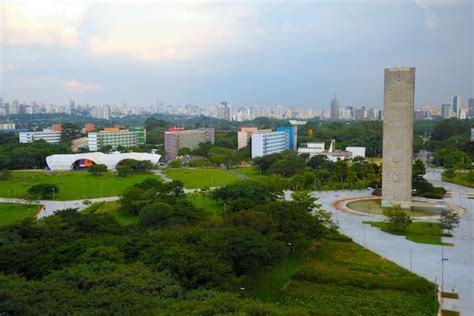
64,162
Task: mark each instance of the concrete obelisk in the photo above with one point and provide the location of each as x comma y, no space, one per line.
399,98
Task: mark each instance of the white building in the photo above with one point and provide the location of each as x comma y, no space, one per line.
313,149
269,143
356,152
243,136
47,135
7,126
65,162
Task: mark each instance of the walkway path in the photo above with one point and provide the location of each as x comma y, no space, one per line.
49,207
422,259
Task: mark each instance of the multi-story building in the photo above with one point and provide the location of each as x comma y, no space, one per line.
245,133
291,136
471,107
269,143
335,110
7,126
456,105
101,112
446,111
47,135
223,111
177,139
115,137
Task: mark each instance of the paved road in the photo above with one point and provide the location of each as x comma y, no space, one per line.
49,207
422,259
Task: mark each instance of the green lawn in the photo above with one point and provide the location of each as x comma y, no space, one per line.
12,213
247,171
419,232
200,178
72,185
202,200
339,277
461,179
373,207
113,209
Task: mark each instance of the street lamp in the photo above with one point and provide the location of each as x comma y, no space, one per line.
443,259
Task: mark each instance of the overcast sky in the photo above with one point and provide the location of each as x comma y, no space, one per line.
248,53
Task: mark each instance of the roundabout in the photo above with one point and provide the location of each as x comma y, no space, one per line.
427,209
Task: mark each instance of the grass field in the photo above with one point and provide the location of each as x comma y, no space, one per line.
420,232
374,207
72,185
12,213
339,277
461,179
202,200
113,209
200,178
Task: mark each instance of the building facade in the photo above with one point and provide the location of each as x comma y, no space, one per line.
456,105
7,126
291,136
335,110
312,149
269,143
49,136
133,137
175,140
471,107
446,111
399,96
65,162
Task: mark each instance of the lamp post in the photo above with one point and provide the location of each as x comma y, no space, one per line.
53,193
443,259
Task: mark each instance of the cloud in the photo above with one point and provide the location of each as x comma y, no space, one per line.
75,86
179,31
429,6
41,22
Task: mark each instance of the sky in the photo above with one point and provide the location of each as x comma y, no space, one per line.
265,53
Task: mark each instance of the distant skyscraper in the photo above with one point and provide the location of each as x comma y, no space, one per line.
456,105
399,96
335,111
223,111
446,111
471,107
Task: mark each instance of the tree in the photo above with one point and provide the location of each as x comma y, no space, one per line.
317,162
124,171
399,220
184,151
449,173
258,192
44,190
70,132
155,215
97,169
449,220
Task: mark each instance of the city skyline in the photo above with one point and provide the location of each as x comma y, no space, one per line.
260,54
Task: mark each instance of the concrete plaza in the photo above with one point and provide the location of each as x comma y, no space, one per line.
422,259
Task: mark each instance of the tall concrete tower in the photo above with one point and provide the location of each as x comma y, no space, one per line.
399,98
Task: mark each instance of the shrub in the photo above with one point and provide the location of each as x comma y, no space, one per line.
124,171
97,169
5,175
398,219
44,190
